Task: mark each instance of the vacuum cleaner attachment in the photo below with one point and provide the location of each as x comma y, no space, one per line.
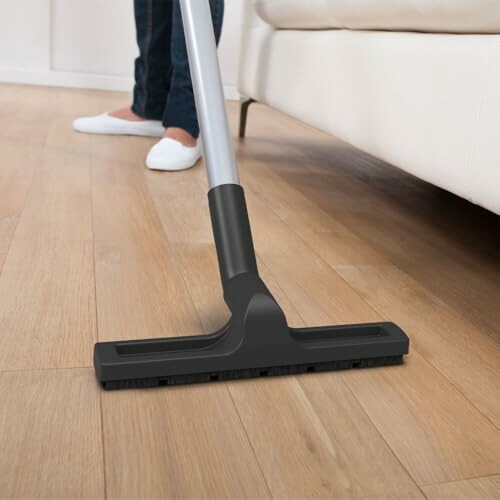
257,341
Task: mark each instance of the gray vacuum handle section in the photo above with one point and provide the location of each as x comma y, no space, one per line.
208,91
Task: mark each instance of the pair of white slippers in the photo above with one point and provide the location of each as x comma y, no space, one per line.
168,154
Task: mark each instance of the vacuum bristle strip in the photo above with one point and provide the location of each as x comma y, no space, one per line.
251,373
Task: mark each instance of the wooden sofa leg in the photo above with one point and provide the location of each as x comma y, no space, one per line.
245,104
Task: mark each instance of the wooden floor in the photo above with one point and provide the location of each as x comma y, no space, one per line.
94,246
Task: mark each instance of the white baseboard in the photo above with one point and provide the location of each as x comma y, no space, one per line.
81,80
65,79
231,93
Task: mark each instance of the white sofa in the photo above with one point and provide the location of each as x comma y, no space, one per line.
413,82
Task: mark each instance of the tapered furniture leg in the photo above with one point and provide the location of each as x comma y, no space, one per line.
245,104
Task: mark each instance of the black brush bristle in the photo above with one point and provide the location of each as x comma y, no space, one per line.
251,373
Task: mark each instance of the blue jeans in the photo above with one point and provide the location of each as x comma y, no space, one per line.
163,88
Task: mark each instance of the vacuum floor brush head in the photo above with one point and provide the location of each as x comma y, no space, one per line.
256,342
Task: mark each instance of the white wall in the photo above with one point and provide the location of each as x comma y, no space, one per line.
87,43
93,36
24,38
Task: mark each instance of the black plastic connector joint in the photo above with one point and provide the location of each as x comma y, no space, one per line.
232,234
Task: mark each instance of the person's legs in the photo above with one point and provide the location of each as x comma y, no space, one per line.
180,109
153,67
163,93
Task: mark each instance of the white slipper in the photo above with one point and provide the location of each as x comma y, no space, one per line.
106,124
169,154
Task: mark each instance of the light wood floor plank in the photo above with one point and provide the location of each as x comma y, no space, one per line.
333,241
7,228
9,95
470,358
50,435
433,429
306,278
58,207
61,136
121,149
17,167
180,442
140,291
47,318
47,288
25,127
9,104
308,438
483,487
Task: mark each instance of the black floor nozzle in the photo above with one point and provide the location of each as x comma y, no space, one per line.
257,341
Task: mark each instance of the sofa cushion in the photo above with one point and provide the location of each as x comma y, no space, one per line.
437,16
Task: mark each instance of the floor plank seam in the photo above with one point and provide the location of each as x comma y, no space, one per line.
377,430
92,215
18,218
101,410
254,453
46,369
471,478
